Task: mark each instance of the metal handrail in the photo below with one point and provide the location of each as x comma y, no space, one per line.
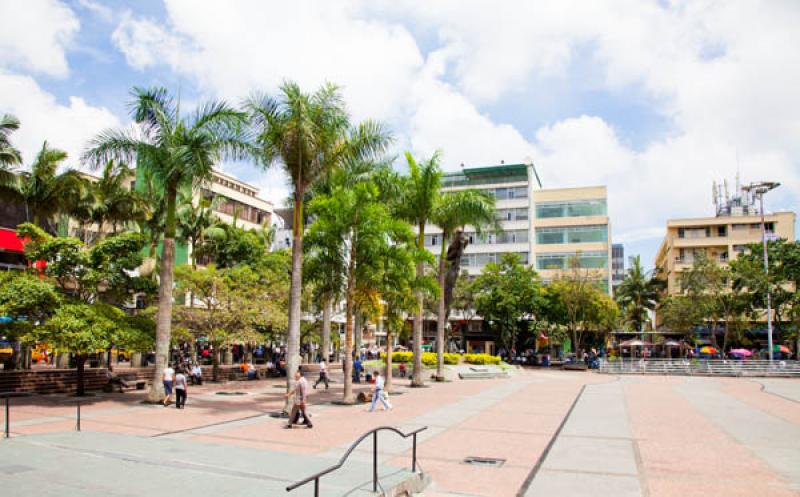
374,432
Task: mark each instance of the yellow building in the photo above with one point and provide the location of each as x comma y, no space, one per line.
720,238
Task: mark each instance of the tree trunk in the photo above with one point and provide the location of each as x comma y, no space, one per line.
416,379
348,340
327,310
293,345
164,316
441,318
81,362
388,374
215,363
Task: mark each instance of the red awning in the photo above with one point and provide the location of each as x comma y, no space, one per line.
9,241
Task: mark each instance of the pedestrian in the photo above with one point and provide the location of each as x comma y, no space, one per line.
197,375
378,393
300,392
402,368
357,370
180,389
323,374
167,377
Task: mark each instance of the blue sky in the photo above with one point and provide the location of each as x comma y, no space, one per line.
653,99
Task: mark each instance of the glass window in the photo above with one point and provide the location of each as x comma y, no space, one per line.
572,234
596,259
576,208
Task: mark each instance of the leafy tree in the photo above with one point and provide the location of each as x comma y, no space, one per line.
43,191
194,220
309,135
464,301
177,151
10,157
236,303
638,294
507,294
577,302
229,245
418,199
29,301
82,329
453,212
681,313
353,221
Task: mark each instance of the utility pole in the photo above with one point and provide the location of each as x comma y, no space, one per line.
759,189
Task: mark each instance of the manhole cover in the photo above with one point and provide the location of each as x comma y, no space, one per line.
231,393
14,469
484,461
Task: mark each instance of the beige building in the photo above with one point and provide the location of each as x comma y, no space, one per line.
571,228
239,199
720,238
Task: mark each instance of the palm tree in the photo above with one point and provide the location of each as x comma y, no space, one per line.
10,157
417,205
42,190
195,220
177,150
638,294
308,135
454,211
114,202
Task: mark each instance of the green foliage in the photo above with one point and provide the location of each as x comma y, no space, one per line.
81,328
638,294
428,358
26,299
481,359
230,245
507,294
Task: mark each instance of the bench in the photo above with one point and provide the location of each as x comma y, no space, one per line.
125,381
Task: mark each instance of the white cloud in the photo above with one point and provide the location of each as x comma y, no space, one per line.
67,127
35,34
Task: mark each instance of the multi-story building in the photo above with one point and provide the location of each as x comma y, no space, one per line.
617,264
554,230
721,238
572,231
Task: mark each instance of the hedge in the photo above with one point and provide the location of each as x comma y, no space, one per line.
481,359
428,358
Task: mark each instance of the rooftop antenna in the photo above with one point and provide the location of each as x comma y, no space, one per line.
725,186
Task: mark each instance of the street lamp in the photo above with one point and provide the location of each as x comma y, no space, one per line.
758,190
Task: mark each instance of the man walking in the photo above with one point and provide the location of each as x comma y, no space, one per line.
300,393
323,374
168,378
378,393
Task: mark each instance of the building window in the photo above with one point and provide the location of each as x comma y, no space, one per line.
564,260
572,234
576,208
722,231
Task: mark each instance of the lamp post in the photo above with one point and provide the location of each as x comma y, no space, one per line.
759,189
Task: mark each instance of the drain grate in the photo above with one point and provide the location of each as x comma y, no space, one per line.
484,461
231,393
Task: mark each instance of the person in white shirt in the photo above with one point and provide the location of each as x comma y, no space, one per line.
300,393
167,377
323,374
180,389
379,394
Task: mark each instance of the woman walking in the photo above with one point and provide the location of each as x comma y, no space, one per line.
180,389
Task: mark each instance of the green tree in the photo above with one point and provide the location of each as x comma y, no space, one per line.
28,301
417,202
354,221
82,329
177,151
453,212
638,294
43,191
194,221
114,202
508,295
308,135
681,313
10,157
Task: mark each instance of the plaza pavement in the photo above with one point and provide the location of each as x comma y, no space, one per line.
559,433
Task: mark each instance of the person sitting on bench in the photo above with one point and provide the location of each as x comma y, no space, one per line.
114,379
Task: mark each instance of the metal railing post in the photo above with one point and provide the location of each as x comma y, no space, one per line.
8,431
375,461
78,426
316,487
414,455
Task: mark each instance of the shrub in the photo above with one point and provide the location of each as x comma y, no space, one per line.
428,358
481,359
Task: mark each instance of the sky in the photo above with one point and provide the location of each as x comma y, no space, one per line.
654,99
